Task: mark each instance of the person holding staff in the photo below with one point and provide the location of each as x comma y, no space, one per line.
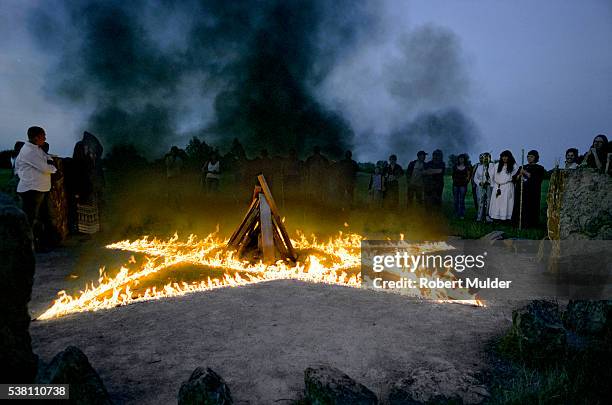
483,176
531,175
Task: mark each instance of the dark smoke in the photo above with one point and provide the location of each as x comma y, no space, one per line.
432,85
406,91
449,130
143,67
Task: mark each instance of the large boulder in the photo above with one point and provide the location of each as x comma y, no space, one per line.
17,361
72,367
204,387
585,204
326,385
538,332
438,382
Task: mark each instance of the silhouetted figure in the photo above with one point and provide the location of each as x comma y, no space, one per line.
392,173
317,167
86,170
175,161
415,188
14,180
461,178
263,164
532,175
434,179
292,171
347,170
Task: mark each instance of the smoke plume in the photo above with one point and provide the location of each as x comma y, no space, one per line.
414,92
150,71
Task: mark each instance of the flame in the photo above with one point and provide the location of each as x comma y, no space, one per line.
335,261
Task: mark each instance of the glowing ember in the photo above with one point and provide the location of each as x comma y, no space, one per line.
336,261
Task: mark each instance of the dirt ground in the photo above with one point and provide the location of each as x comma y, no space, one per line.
260,338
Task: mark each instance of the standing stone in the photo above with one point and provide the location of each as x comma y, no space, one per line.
585,205
326,385
204,387
17,361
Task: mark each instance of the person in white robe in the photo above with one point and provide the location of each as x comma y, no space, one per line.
502,199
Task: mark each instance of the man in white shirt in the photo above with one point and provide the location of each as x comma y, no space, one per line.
34,168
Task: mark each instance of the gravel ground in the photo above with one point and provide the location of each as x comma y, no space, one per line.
259,338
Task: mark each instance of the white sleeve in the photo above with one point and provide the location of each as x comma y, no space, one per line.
39,162
494,176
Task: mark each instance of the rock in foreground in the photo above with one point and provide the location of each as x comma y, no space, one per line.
538,331
72,367
589,318
326,385
204,387
17,362
437,383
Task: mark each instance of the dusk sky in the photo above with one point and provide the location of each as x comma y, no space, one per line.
526,74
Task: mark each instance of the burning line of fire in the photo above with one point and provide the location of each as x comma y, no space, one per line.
90,299
339,255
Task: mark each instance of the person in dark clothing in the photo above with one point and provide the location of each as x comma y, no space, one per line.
597,156
414,180
88,176
434,178
265,165
532,175
347,173
317,175
461,179
392,174
292,172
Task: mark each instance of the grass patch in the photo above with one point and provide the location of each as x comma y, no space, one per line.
5,176
570,377
530,386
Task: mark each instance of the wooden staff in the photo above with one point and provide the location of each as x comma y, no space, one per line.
521,197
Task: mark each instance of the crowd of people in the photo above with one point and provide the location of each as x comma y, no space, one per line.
502,189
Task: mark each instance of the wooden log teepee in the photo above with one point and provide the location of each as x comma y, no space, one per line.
262,234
